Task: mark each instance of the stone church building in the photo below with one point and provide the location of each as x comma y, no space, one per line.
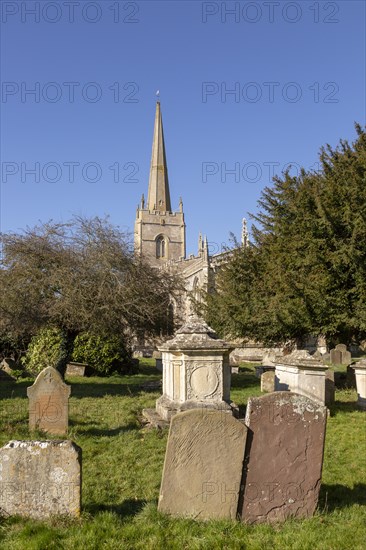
160,232
160,237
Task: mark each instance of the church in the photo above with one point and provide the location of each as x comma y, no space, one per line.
160,232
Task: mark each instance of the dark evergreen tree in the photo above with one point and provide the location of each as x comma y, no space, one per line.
305,272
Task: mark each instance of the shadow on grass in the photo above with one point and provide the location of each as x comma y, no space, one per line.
126,508
106,432
244,380
101,389
333,497
10,389
343,406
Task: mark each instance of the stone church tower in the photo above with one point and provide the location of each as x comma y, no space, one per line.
160,233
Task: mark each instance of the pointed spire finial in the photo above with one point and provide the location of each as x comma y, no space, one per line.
205,247
244,233
158,195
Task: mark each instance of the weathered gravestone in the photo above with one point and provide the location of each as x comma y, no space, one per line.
203,465
340,355
335,357
76,369
268,381
48,403
40,479
284,457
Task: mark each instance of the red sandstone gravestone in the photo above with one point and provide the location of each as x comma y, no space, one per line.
48,403
283,469
203,465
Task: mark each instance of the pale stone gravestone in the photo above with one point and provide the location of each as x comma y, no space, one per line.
203,465
360,372
40,479
282,476
76,369
49,403
259,370
268,381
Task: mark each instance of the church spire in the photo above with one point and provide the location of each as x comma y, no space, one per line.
158,196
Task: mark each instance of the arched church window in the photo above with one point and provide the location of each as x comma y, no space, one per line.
160,247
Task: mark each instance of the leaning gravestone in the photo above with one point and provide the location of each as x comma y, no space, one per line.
40,479
203,465
284,459
48,403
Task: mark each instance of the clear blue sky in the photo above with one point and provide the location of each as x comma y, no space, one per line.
297,68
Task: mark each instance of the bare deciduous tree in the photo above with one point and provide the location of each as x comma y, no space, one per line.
80,276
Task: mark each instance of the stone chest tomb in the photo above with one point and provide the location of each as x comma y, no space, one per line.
196,371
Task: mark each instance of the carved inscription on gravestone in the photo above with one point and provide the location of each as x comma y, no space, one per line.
40,479
203,465
48,403
283,469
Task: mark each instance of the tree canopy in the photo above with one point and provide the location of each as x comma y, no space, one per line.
79,276
305,271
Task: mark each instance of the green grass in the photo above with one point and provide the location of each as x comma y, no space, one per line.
122,465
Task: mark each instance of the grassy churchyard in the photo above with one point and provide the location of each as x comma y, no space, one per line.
122,466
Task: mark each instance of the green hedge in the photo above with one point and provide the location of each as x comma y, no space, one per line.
104,355
43,350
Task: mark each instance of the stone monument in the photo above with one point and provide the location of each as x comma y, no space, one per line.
360,372
301,373
196,372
